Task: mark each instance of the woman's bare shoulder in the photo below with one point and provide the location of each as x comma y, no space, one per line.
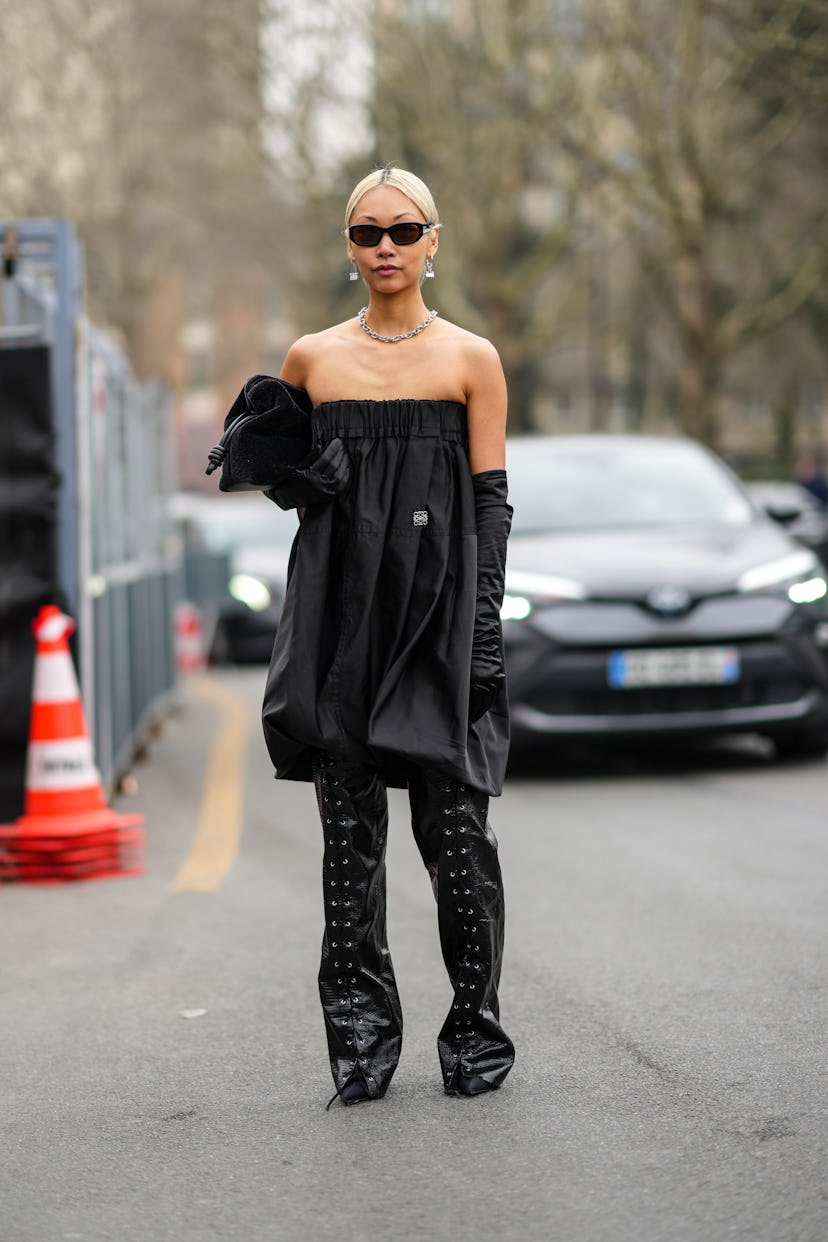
474,347
307,349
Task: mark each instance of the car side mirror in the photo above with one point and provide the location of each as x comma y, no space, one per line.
783,511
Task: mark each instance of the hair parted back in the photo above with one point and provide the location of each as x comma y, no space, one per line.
406,182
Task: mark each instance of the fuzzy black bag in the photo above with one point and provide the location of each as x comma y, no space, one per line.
267,434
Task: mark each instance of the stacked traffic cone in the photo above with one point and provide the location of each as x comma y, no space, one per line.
67,831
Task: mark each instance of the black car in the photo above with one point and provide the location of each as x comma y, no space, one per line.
236,551
646,595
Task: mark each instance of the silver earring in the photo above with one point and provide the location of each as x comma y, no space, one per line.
354,272
429,268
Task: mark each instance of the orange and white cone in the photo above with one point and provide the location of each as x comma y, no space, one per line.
66,831
190,656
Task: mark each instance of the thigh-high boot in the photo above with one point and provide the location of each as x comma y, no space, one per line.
459,850
363,1019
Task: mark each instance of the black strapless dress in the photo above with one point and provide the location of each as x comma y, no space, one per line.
371,661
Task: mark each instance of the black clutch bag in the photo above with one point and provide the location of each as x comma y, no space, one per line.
267,434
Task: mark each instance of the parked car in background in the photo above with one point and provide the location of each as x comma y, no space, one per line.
236,549
647,595
795,508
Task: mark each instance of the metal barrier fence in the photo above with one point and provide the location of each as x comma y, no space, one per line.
118,559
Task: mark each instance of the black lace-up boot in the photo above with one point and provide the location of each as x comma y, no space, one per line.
460,852
363,1019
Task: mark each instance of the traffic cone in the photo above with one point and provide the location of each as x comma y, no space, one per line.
66,831
190,656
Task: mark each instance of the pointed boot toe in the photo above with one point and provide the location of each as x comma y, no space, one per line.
474,1085
354,1092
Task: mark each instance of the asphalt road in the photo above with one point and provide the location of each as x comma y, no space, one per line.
162,1053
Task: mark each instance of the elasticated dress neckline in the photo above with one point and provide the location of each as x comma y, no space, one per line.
372,656
394,416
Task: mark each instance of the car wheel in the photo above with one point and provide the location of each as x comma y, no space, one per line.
803,743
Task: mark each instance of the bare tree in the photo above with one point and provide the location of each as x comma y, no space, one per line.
705,173
143,122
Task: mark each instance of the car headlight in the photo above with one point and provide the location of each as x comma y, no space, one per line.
525,591
250,591
799,575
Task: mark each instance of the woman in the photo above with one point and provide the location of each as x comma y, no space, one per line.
388,664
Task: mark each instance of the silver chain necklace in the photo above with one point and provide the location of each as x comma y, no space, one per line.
392,340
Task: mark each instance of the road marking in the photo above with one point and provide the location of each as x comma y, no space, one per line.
219,829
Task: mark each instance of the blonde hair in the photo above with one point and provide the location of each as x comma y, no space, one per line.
406,182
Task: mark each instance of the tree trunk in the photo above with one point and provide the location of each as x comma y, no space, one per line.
784,405
699,392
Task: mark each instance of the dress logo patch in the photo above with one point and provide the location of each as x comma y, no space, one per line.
421,517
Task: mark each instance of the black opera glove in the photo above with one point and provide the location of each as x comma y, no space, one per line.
321,476
494,521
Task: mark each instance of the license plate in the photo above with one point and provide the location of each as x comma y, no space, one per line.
673,666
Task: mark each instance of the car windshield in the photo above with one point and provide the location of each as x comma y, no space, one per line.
224,524
559,486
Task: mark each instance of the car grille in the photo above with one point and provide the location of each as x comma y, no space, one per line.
556,700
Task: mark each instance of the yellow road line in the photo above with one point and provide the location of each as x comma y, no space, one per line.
219,829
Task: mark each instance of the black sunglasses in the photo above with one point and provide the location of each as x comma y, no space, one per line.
404,233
